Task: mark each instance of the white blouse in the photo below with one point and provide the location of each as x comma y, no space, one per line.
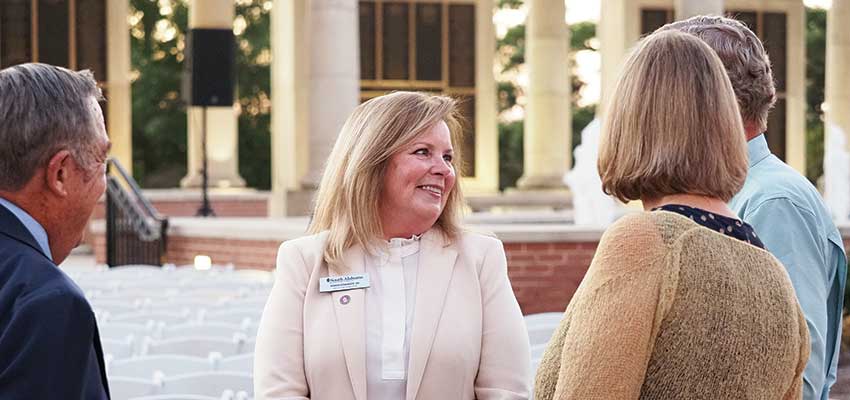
389,317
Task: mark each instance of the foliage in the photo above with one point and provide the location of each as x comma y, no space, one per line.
510,153
159,112
815,79
253,62
509,3
159,115
511,54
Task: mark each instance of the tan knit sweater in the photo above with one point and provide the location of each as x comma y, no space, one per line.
670,309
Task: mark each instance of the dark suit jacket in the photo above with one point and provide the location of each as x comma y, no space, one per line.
49,343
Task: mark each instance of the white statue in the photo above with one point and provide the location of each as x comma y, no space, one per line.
591,206
836,174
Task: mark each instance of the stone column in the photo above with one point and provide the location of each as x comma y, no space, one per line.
334,81
221,122
120,105
615,32
836,164
837,85
548,118
689,8
289,100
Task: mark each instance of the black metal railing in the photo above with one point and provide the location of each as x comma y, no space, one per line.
135,232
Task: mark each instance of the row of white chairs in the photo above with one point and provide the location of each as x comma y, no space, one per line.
180,315
204,385
164,290
160,330
200,346
155,300
541,327
163,365
165,327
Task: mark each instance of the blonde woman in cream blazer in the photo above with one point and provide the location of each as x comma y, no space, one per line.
437,318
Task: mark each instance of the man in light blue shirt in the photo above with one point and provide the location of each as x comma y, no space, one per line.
786,211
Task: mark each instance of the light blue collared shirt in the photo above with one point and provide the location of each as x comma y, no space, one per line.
791,219
35,229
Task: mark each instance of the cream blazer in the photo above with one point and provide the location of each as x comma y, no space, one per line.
469,339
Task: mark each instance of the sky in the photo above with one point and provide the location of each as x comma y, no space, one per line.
587,61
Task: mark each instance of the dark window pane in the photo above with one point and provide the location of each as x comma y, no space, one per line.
15,40
776,129
429,32
467,145
396,38
652,19
53,32
367,40
775,42
749,18
91,37
462,45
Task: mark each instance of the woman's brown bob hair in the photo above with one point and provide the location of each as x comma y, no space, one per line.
347,202
673,124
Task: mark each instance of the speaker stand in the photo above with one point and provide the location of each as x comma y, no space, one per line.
206,209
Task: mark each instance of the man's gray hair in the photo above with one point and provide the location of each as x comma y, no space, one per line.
744,58
43,109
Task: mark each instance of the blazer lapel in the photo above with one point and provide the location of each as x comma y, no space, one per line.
349,308
436,263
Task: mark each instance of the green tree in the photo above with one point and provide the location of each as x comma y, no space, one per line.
511,54
815,79
159,112
253,62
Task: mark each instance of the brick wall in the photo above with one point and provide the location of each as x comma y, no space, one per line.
188,208
544,276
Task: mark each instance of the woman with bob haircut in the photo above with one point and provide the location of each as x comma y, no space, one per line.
680,301
390,298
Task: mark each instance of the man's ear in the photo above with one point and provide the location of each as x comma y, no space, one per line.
59,169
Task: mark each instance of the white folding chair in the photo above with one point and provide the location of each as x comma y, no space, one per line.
242,363
194,346
135,270
234,315
114,307
118,348
121,330
546,318
167,317
126,388
538,350
208,329
180,397
540,334
215,291
253,275
147,367
209,383
251,302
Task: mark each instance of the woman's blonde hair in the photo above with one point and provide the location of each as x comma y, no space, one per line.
347,202
673,124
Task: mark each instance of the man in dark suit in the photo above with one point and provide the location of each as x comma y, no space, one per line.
53,148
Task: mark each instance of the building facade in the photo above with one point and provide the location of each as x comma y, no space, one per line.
330,55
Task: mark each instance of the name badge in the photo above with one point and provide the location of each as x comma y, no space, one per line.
346,282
